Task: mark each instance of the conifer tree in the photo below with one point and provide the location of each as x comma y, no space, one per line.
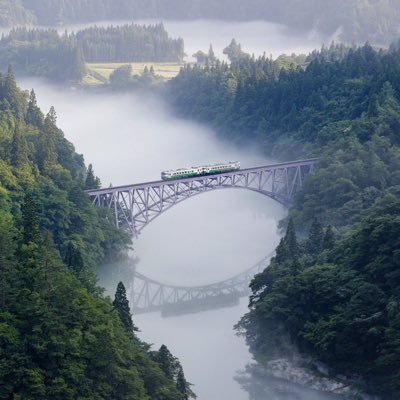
34,116
166,361
19,149
12,93
92,181
121,304
8,235
73,258
329,238
315,238
291,240
281,254
183,385
211,55
51,116
30,219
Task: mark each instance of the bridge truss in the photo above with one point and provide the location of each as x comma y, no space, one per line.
135,206
148,295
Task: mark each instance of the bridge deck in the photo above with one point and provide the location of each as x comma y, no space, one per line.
172,181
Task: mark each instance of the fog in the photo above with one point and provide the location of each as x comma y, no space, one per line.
131,138
255,37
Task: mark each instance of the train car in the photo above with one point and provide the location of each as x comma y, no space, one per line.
199,171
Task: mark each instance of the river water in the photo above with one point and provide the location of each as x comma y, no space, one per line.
130,138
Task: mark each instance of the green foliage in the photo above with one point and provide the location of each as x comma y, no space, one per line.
129,43
121,304
343,308
343,107
91,181
335,294
26,49
121,76
30,218
172,369
59,337
65,55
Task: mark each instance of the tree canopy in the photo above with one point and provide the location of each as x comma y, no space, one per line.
60,338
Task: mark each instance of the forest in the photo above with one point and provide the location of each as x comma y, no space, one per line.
332,289
60,337
348,20
62,57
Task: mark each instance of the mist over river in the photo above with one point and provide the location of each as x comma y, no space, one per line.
131,138
256,37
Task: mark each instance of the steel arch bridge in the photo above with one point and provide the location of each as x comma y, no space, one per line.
135,206
148,295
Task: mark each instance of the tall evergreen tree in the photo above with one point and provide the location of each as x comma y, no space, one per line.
183,385
34,115
13,95
19,149
51,116
315,238
329,238
166,361
211,55
281,252
91,181
30,219
291,240
121,304
8,235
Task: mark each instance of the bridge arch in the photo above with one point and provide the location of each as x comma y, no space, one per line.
135,206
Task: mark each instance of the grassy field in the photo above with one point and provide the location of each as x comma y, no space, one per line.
99,73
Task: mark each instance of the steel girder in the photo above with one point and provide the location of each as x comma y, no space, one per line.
135,206
147,295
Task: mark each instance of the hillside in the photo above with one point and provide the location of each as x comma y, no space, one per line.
60,338
351,20
332,289
46,53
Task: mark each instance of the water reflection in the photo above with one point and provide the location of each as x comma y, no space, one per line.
261,386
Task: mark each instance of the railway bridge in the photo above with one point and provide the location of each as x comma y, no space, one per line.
135,206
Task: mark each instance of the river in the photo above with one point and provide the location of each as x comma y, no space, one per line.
130,138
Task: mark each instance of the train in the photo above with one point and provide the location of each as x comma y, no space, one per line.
219,168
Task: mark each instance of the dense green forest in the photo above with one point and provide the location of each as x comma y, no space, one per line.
60,338
338,302
62,57
129,43
42,53
343,108
351,20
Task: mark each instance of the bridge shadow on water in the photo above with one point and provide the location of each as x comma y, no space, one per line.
149,295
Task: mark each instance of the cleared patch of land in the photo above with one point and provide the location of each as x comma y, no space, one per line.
100,72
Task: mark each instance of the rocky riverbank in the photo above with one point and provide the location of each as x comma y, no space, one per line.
298,379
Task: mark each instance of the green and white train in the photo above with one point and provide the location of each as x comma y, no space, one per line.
199,171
